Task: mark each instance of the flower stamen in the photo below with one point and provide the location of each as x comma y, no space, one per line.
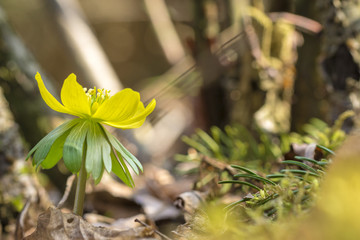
96,97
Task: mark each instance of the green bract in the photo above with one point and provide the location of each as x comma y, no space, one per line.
84,138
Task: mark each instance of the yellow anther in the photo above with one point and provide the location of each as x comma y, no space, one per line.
96,97
91,91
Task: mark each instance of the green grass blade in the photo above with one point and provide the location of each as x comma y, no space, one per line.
300,164
306,159
279,175
276,175
231,205
244,169
195,144
303,172
248,137
326,149
264,180
240,182
210,142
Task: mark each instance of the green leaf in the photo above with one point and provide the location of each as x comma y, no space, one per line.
128,156
73,147
56,152
43,147
97,180
105,151
120,169
300,164
94,164
240,182
131,159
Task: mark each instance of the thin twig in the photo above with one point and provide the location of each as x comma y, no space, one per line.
193,66
165,30
159,233
303,23
253,40
178,234
219,165
69,183
20,220
228,42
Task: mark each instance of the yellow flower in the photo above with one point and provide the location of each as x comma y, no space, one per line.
84,140
123,110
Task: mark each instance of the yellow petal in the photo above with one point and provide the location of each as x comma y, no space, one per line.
48,98
74,98
126,125
120,107
142,112
137,120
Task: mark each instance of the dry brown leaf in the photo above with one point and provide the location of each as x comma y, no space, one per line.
156,209
110,194
161,184
56,225
304,150
188,202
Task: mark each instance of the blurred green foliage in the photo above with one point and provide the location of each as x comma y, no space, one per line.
275,190
256,148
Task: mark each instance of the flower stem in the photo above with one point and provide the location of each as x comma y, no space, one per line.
80,188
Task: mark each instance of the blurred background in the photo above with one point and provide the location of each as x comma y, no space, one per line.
270,64
206,62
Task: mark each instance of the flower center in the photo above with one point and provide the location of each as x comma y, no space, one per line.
96,97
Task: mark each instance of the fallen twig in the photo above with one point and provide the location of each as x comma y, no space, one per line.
19,231
69,183
156,231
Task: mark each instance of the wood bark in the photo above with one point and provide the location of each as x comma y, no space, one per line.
341,58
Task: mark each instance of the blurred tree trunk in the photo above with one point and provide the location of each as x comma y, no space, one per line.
17,71
341,58
21,196
211,106
309,91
